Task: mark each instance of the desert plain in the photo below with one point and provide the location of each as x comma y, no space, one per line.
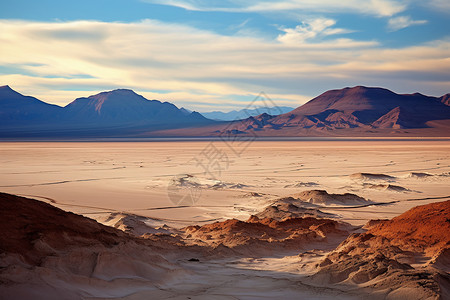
199,192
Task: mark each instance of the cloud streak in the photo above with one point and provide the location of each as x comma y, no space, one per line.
369,7
401,22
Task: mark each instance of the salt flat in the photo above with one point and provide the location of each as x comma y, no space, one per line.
224,181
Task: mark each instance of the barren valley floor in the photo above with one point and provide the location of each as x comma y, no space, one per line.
96,178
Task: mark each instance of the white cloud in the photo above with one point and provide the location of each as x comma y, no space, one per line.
401,22
370,7
193,67
310,30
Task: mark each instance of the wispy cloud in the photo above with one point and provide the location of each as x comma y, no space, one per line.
441,5
189,66
401,22
370,7
309,30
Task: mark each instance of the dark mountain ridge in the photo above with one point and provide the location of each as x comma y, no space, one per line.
123,113
124,106
368,104
357,107
19,110
113,113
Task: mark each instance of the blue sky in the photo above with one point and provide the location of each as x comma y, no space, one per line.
208,55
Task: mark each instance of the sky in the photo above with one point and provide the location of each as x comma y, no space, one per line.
218,55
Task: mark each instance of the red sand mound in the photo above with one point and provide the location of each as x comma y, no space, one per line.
47,253
403,258
422,228
25,223
264,236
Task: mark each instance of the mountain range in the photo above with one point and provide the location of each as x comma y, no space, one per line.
123,113
245,113
357,111
357,107
120,112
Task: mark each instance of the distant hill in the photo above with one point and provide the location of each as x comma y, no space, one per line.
358,108
19,110
245,113
369,104
119,112
124,106
356,111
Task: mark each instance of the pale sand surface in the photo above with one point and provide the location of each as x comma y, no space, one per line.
94,178
97,178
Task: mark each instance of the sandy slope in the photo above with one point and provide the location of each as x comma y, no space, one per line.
406,257
47,253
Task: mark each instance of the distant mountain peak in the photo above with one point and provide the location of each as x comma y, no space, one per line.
124,106
112,100
17,109
6,90
7,93
357,87
116,93
361,88
120,91
186,111
265,116
197,114
360,107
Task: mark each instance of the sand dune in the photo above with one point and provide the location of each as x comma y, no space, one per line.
148,256
423,228
260,237
321,197
48,253
302,184
371,176
192,181
419,175
385,187
251,195
134,224
402,258
290,207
